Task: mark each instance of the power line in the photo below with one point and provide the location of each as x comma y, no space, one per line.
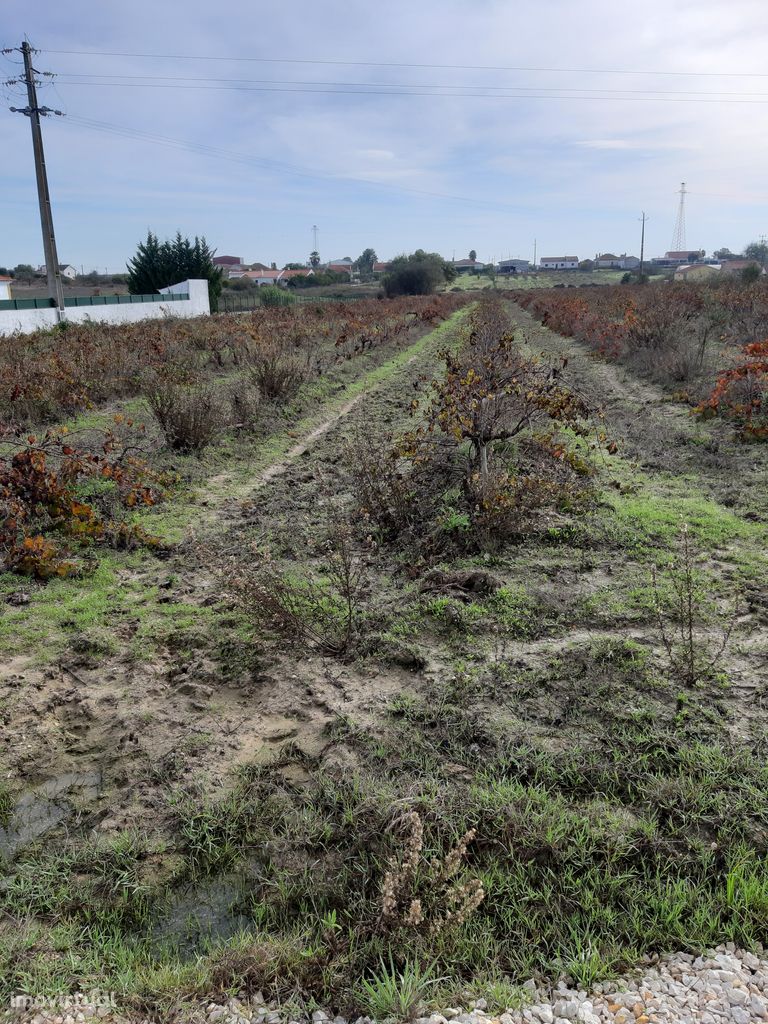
425,92
71,79
405,64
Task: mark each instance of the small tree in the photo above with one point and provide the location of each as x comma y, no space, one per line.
365,262
417,274
472,254
757,251
751,274
24,272
158,264
314,259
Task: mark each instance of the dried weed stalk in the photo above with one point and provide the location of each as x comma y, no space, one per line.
427,896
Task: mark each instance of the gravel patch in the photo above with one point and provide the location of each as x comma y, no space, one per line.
724,986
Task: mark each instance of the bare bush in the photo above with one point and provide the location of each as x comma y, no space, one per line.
245,401
325,611
277,371
385,488
190,415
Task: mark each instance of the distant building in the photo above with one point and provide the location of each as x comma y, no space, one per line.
607,261
5,287
229,265
262,278
696,272
736,266
678,259
235,273
559,263
380,268
468,266
342,266
65,269
513,266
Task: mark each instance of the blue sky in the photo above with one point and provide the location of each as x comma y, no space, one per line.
568,156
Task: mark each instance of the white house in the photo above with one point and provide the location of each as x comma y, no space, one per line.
513,266
65,269
5,288
468,266
559,263
607,261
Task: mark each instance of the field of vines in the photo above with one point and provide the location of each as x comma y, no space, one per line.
385,656
68,480
707,342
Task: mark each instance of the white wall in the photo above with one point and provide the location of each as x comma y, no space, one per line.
24,321
5,290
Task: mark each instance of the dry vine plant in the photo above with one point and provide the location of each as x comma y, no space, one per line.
692,656
439,899
326,611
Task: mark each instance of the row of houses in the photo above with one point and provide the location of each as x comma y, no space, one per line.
606,261
260,274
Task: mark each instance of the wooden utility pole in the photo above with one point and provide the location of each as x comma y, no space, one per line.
34,112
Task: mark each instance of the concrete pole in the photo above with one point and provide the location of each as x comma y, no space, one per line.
55,287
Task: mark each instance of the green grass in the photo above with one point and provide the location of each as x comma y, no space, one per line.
543,279
591,856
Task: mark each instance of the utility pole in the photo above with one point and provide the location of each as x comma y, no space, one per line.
34,112
642,246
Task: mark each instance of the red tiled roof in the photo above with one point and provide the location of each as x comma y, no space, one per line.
4,278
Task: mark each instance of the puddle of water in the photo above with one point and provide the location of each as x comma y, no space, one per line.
44,807
203,914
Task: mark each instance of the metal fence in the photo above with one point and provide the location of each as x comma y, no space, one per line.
247,303
90,300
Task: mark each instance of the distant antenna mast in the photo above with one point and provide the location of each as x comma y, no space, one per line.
678,238
315,231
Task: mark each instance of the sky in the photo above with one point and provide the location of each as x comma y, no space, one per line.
438,124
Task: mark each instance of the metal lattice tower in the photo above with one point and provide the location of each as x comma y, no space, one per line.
678,238
315,231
